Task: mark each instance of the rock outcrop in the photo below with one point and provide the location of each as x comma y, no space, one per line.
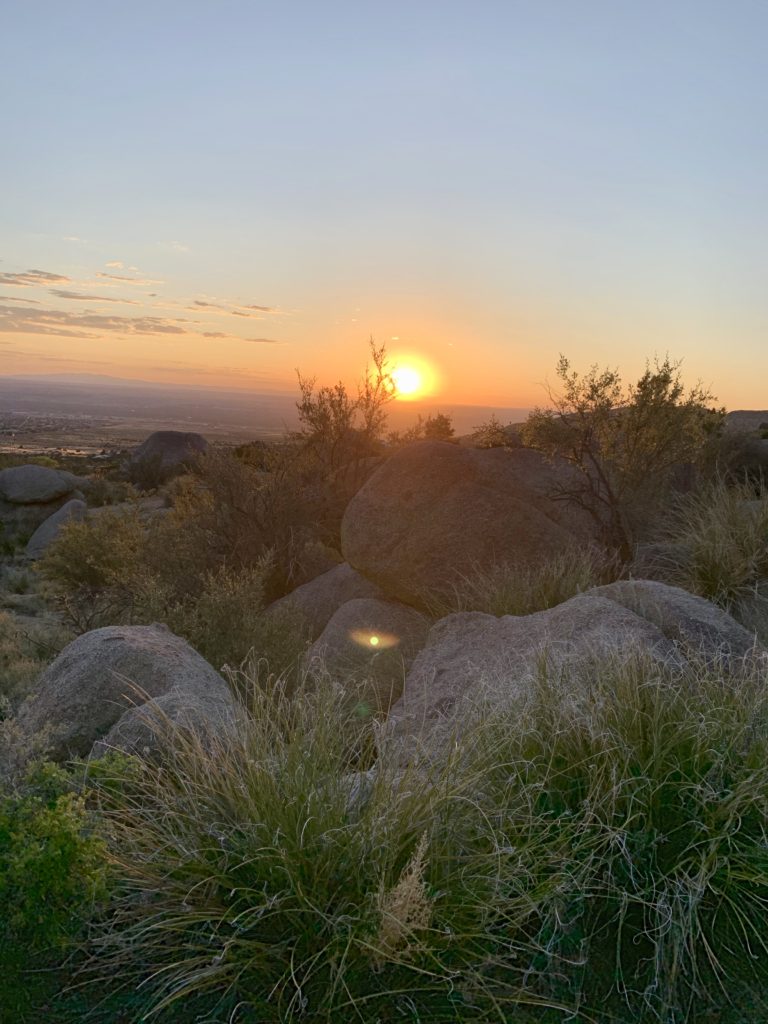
48,531
164,453
372,642
31,494
317,601
475,660
37,485
105,673
435,512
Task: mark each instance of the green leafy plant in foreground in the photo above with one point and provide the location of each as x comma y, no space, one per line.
53,872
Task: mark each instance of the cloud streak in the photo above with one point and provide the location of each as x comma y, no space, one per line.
122,279
30,278
61,293
81,325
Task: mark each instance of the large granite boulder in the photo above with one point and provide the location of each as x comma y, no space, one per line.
317,601
435,512
102,674
164,453
37,485
48,531
475,661
373,642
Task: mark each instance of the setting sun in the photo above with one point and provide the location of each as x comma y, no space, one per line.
408,380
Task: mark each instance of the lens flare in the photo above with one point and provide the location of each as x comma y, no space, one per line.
373,639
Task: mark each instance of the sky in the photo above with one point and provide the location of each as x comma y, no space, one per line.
222,192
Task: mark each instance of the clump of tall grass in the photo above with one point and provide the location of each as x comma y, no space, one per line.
521,589
724,532
605,855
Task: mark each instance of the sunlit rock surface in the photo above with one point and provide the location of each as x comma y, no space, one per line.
103,673
473,662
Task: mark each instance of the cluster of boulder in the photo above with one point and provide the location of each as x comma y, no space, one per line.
37,500
432,513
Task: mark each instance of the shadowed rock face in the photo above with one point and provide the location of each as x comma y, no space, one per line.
102,674
33,485
475,660
170,448
317,601
371,641
48,531
435,511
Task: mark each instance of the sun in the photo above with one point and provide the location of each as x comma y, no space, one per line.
407,380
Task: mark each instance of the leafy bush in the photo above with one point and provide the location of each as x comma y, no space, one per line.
625,442
114,569
434,428
494,434
53,873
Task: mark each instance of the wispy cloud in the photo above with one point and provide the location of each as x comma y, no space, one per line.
174,246
263,341
29,278
115,265
19,298
126,280
82,325
63,294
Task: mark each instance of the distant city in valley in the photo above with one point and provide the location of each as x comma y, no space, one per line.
90,411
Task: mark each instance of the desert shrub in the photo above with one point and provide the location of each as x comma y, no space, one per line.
437,427
115,569
724,532
222,621
625,441
94,566
280,636
521,589
494,434
106,491
24,653
53,873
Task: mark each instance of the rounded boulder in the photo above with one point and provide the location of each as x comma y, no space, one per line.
435,512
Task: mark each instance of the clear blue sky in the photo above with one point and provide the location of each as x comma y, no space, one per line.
481,185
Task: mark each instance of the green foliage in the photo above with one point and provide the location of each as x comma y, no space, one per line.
114,568
624,440
434,428
494,434
53,873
